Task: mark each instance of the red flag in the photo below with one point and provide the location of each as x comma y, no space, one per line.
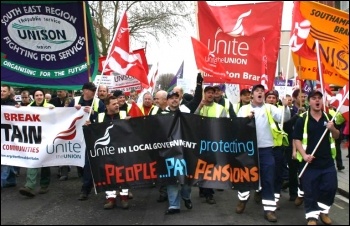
300,31
264,77
135,110
141,56
119,58
337,99
101,62
208,63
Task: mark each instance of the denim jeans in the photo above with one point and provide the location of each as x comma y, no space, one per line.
8,176
175,193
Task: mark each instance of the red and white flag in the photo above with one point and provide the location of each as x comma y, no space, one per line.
299,33
207,62
339,98
152,75
120,59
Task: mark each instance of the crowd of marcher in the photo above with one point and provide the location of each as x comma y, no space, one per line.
288,130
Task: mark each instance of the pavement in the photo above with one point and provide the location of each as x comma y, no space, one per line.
343,175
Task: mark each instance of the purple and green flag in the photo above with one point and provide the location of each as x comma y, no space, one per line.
179,74
45,44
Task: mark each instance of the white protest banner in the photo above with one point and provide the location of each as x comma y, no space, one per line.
35,137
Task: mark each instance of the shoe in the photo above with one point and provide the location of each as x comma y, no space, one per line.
27,192
340,168
124,201
210,200
270,216
325,219
63,178
311,221
110,204
83,197
257,197
240,206
188,203
299,201
162,198
43,190
172,211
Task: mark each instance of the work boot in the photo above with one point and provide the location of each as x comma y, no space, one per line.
299,201
325,219
257,197
83,196
240,206
110,204
124,198
311,221
270,216
27,192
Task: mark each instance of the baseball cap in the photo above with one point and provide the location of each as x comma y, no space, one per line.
207,88
257,86
220,87
271,92
171,94
314,93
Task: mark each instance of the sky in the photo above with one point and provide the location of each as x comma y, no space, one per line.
170,53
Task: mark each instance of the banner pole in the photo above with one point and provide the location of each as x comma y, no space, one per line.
87,43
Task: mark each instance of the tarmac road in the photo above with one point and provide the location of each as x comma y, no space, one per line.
60,206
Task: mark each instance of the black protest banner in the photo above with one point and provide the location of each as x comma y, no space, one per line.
174,148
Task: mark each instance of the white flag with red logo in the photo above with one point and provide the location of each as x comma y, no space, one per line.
339,98
120,59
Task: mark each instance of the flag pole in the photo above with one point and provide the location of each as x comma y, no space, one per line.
285,85
320,73
87,43
324,133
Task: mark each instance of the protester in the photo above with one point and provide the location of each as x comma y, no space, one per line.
133,96
102,92
177,191
123,105
197,97
245,98
112,115
319,179
25,98
147,107
219,98
8,173
265,115
32,173
209,108
48,97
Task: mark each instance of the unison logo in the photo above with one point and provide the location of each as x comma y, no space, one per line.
48,34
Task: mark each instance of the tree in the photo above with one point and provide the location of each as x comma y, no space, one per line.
146,19
163,82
